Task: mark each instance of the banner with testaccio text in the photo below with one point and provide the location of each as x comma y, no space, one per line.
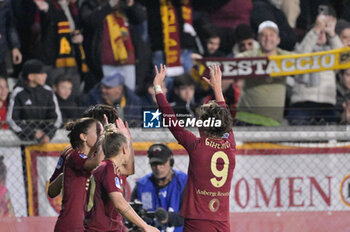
282,65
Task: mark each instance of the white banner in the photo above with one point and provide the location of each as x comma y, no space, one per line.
290,183
14,179
265,179
286,182
45,167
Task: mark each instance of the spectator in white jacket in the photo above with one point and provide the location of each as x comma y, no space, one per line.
313,95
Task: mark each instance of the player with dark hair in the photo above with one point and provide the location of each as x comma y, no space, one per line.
212,159
84,156
97,112
105,191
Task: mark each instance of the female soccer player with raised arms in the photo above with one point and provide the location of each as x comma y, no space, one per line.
85,155
106,205
212,159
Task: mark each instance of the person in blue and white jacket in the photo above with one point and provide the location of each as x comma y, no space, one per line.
33,112
162,190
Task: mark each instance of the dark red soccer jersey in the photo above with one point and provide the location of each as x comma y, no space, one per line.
101,214
210,170
75,180
60,164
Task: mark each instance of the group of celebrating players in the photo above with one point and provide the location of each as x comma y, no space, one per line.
92,171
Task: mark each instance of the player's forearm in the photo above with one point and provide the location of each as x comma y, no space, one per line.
126,210
55,186
164,106
93,161
219,97
167,111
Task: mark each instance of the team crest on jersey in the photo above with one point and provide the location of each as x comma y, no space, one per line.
225,136
83,156
117,182
59,163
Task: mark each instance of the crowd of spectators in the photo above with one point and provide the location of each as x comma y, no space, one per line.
65,55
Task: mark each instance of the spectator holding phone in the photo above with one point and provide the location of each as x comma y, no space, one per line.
314,94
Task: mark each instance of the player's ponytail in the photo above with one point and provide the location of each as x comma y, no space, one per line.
76,128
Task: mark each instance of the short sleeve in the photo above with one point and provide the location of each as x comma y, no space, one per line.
60,164
112,182
77,161
58,169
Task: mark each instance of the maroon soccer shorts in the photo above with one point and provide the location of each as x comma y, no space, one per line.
192,225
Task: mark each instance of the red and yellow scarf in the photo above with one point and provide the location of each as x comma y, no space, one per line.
171,33
120,39
69,55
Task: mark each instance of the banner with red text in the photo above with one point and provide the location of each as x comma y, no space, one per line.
274,187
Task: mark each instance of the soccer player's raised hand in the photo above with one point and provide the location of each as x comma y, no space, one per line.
160,75
215,77
123,129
